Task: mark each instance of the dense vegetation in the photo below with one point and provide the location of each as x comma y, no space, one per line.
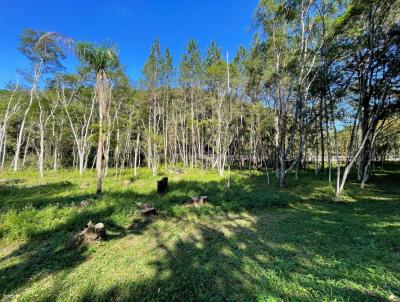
319,84
271,135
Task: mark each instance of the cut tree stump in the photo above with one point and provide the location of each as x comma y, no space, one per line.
100,230
148,211
93,232
203,199
162,186
195,201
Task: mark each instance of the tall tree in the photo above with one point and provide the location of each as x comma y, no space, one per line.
293,43
191,75
101,59
44,52
367,35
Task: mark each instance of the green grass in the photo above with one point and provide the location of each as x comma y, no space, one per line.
252,242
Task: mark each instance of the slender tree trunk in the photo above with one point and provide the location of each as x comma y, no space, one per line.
26,148
41,140
136,154
99,161
347,169
103,97
3,129
22,126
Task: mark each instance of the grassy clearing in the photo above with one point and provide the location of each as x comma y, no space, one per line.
252,242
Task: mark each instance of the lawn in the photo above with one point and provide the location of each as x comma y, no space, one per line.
251,242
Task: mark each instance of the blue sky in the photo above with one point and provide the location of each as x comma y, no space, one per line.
131,25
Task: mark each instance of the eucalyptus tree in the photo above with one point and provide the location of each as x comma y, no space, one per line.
10,109
44,52
58,134
122,125
252,88
292,45
78,104
101,59
47,106
367,36
387,144
220,74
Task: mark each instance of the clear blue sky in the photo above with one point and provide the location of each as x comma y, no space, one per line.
131,25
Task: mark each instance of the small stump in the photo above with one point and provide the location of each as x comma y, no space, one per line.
162,186
148,211
93,232
195,201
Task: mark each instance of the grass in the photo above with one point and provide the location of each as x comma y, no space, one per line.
252,242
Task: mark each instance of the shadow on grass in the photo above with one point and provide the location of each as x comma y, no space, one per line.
302,255
7,182
325,251
38,196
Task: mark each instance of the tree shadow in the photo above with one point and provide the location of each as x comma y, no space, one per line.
296,253
49,251
7,182
271,256
38,196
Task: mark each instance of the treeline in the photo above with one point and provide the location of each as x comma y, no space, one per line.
319,84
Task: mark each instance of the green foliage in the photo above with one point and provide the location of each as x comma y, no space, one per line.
191,69
152,68
97,57
213,54
42,47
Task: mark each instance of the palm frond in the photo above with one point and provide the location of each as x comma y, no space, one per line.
97,57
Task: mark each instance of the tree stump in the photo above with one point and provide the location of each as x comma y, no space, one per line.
162,185
203,199
148,211
100,231
195,201
92,233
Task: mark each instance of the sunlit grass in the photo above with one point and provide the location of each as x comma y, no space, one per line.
252,241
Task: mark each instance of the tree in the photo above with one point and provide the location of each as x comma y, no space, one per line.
100,59
10,109
44,52
191,77
367,38
157,73
290,52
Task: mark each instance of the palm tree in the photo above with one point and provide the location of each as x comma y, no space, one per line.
100,59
